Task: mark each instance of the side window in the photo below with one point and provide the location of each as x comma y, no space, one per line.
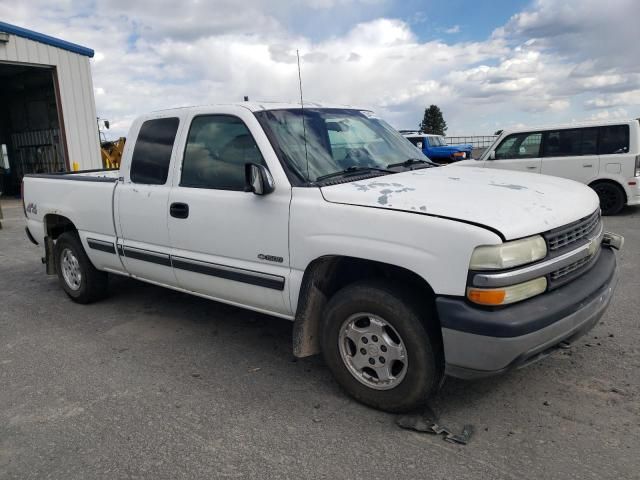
218,147
152,152
520,145
571,142
614,139
417,141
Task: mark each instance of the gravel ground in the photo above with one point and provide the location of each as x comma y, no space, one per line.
152,383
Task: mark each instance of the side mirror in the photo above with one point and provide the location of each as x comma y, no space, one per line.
258,179
492,155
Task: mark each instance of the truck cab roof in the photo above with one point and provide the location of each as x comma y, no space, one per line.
254,107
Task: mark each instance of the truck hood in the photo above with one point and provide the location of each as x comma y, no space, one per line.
514,203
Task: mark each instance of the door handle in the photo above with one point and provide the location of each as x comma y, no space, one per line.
179,210
532,168
587,165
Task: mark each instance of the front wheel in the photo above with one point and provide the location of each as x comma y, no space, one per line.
80,280
377,347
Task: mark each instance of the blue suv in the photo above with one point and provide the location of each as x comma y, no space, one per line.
435,147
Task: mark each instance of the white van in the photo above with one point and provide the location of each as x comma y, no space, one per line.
603,155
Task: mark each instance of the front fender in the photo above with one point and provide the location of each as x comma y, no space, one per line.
436,249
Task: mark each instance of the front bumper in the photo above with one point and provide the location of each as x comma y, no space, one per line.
480,342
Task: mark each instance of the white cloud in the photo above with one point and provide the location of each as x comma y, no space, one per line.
453,29
615,100
551,63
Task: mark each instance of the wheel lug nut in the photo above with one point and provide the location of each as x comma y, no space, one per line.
383,348
365,340
381,359
363,351
372,361
374,338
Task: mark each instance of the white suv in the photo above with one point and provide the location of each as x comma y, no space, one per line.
603,155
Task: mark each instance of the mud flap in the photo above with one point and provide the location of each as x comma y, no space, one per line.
48,259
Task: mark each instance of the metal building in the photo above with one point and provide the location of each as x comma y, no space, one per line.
47,107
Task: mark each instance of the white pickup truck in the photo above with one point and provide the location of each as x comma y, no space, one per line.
397,270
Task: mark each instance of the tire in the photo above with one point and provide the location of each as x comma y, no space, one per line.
612,197
393,385
80,280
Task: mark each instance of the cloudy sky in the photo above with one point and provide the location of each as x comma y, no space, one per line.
487,64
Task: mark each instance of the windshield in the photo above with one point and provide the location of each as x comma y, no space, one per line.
337,139
437,142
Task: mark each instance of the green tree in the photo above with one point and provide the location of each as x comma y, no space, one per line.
433,121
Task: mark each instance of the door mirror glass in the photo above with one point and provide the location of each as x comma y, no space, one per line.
258,179
492,155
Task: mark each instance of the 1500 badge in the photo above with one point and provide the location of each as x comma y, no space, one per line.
270,258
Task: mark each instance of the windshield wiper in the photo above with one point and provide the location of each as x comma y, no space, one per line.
352,170
412,161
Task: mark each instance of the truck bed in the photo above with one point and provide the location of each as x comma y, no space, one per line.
85,198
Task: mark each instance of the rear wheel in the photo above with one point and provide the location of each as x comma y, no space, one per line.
80,280
612,198
376,345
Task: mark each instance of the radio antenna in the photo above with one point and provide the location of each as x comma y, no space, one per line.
304,128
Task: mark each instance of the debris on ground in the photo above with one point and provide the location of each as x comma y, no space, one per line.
427,422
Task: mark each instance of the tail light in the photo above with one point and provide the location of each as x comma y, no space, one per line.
637,165
24,207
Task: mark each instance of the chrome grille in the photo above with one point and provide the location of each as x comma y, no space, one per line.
558,274
574,232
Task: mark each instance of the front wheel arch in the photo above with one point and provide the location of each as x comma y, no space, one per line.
328,274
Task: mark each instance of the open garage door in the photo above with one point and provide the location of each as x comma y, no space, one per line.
31,124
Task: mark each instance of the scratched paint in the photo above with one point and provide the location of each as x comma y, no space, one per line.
383,199
509,185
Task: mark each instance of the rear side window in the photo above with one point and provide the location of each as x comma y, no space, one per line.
152,153
614,139
218,148
571,142
520,145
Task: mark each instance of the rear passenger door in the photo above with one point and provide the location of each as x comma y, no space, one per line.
615,156
141,203
571,153
229,244
518,151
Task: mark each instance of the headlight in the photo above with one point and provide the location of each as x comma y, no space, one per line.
508,254
506,295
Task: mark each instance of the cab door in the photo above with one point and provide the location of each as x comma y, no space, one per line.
227,243
518,151
142,203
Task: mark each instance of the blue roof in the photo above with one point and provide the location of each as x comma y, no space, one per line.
42,38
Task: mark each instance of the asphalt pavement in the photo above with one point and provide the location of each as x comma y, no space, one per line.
152,383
